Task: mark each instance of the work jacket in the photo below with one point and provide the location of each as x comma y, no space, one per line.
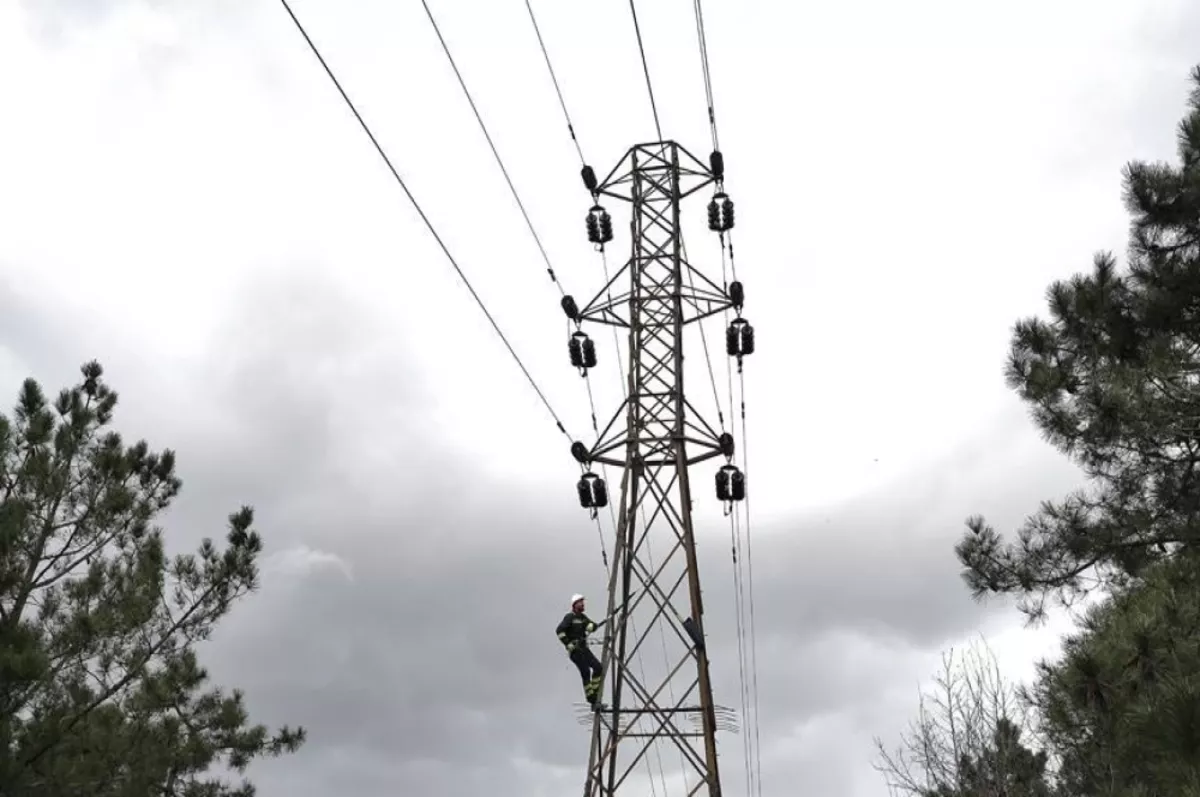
573,630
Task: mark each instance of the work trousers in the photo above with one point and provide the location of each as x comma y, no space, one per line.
589,666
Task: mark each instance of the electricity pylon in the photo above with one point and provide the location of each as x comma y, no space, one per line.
661,437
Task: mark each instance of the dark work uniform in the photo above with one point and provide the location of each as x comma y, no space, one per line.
572,632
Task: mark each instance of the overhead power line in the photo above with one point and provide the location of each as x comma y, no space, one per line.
500,161
750,569
433,231
702,37
752,687
637,657
637,28
554,79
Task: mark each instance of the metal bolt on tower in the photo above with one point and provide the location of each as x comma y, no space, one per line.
655,295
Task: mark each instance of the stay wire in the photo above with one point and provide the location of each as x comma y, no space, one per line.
637,28
557,89
387,161
500,161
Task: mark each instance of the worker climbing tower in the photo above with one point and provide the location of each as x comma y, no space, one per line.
654,437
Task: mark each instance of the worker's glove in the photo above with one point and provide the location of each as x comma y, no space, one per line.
571,646
591,627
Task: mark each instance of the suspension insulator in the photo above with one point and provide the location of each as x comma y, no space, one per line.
599,493
720,212
737,295
589,179
599,225
570,307
716,162
582,351
731,484
575,347
593,493
725,441
739,338
579,451
737,486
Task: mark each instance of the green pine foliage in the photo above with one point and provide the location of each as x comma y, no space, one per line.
1113,380
1112,376
1005,766
1122,707
101,692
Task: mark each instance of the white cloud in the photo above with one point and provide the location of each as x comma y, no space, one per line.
300,561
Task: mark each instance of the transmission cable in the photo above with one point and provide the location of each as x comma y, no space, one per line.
742,583
702,37
637,28
557,89
706,70
649,88
735,552
750,575
749,549
604,553
382,154
537,239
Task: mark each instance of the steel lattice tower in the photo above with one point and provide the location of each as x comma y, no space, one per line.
661,437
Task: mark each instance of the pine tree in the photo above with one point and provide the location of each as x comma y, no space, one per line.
1113,380
1004,767
1122,706
101,692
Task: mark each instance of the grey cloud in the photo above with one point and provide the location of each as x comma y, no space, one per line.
441,649
430,670
28,332
431,667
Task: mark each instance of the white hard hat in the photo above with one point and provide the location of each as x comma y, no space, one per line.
576,599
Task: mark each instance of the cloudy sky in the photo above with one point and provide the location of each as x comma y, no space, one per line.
184,196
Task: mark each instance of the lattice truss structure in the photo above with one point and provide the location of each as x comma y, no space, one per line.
656,604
